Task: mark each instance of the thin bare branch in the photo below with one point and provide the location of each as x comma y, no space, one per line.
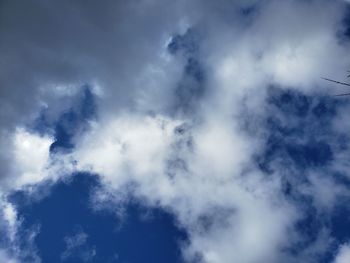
338,82
344,94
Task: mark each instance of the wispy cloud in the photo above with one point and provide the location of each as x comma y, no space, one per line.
77,247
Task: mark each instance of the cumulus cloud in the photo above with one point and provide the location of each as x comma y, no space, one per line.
225,210
198,164
31,154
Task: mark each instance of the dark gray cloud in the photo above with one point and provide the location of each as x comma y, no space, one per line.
50,50
47,45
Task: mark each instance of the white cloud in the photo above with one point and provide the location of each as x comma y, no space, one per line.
140,150
77,247
11,220
31,156
291,44
119,144
208,167
343,255
16,246
4,257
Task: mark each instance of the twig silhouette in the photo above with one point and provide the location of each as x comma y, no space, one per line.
340,83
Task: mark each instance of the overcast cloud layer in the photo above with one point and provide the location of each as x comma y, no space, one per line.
182,95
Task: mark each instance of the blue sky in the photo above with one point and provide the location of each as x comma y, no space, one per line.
174,131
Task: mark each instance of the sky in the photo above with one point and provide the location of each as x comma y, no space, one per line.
187,131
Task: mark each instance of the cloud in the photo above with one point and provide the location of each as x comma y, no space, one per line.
343,255
47,59
31,154
290,44
180,170
209,165
10,218
16,244
5,258
76,246
200,164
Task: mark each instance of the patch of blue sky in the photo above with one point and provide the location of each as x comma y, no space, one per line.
301,139
144,235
